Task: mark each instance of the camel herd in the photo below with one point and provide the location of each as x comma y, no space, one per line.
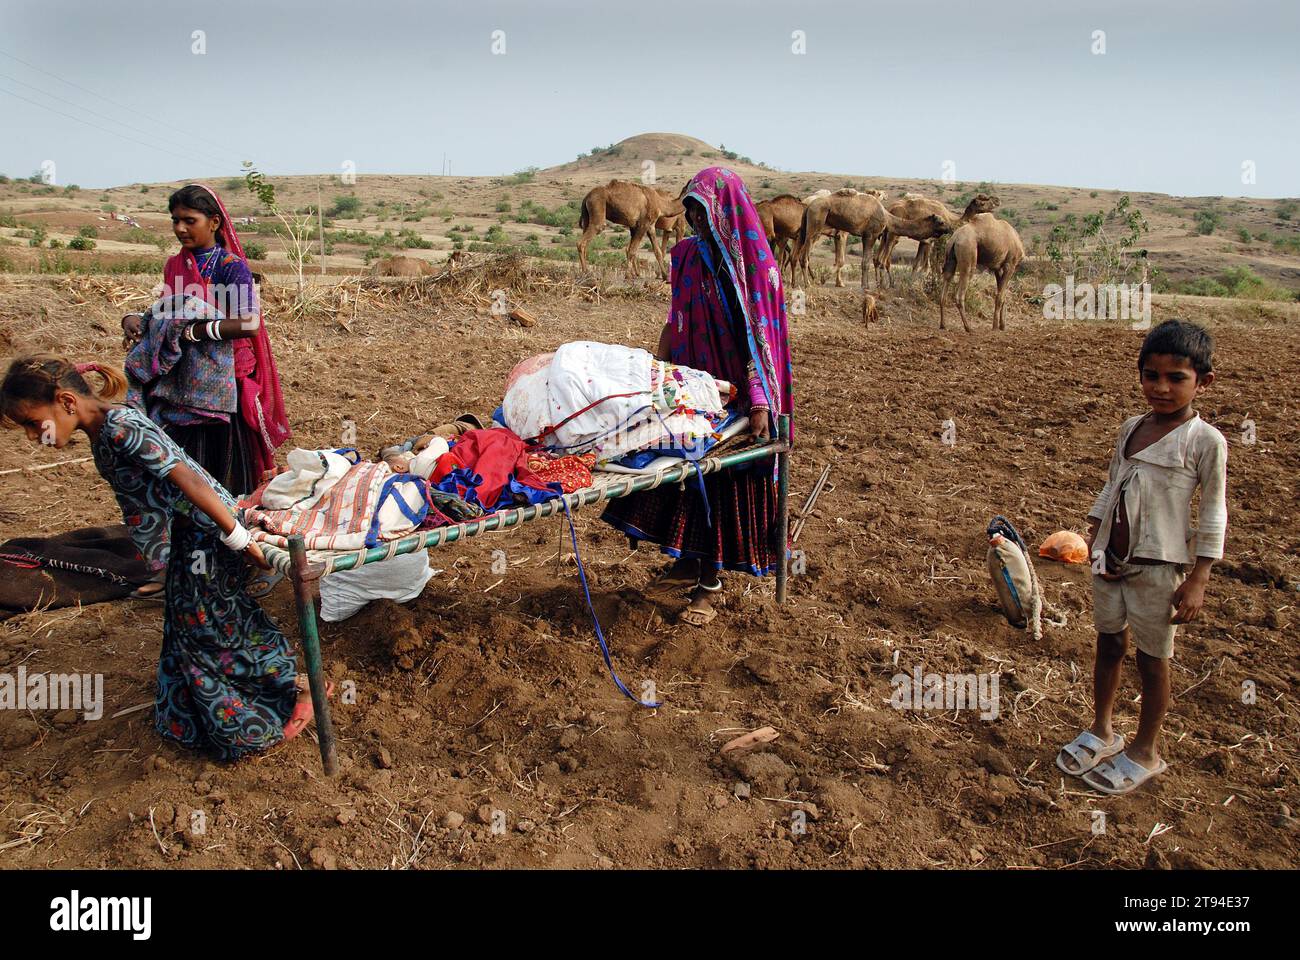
975,238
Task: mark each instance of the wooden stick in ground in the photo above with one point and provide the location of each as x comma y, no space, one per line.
45,466
810,503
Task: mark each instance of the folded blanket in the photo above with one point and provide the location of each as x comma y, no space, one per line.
611,400
310,476
369,504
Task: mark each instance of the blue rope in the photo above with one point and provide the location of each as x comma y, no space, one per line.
600,634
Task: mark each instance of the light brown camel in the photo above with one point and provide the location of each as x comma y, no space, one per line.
913,205
399,266
674,226
837,237
782,217
635,206
985,242
862,215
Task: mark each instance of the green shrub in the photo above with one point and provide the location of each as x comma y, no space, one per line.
88,231
1206,222
1286,209
503,206
255,250
81,243
346,205
1243,235
38,235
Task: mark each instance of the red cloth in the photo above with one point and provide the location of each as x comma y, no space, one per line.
572,472
494,454
260,401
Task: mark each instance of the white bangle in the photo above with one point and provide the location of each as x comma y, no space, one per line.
214,329
237,539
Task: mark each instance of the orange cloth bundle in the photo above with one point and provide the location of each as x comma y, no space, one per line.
1066,546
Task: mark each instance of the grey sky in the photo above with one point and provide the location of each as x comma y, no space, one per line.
1008,90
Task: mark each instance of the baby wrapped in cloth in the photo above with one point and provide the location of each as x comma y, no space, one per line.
611,401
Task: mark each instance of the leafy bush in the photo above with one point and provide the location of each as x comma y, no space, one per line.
81,243
1286,209
1243,235
38,235
503,206
1206,222
255,251
521,176
88,231
345,205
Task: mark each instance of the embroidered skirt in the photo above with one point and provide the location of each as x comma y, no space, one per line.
735,533
226,674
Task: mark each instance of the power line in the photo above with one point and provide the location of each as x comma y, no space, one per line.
94,93
151,146
71,103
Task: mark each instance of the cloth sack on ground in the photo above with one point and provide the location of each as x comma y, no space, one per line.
611,400
310,475
80,566
399,578
368,505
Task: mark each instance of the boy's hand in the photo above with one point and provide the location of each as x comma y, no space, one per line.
1189,598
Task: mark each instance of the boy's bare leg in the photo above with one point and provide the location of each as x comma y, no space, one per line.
1105,681
1155,702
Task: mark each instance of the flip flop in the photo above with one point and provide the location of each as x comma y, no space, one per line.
664,584
1121,775
702,618
260,586
303,713
1087,750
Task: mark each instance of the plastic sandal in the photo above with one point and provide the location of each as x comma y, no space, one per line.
303,713
1121,775
1087,750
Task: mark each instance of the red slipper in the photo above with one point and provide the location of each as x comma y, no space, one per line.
303,713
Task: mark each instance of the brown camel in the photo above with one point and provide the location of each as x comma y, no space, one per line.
674,226
985,242
399,266
837,237
913,205
862,215
635,206
782,217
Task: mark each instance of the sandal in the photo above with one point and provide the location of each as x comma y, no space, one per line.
141,592
260,586
1087,750
668,583
1121,775
702,618
303,713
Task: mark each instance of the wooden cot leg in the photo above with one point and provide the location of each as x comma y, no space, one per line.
311,650
782,508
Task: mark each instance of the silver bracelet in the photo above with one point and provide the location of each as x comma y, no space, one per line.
214,329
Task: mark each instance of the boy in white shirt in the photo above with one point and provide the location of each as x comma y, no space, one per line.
1141,540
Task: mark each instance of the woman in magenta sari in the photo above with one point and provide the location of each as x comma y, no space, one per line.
728,318
199,362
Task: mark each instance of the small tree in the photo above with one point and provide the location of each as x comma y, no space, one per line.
1087,250
296,234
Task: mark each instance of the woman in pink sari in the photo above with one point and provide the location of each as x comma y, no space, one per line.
199,362
727,317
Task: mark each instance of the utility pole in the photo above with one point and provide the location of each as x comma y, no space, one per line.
320,224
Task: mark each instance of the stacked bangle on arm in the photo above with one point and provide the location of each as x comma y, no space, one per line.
211,331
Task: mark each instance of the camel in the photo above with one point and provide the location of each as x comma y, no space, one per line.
913,205
862,215
635,206
782,217
399,266
985,242
674,225
837,236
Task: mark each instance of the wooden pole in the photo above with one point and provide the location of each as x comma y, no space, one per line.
311,652
320,224
782,507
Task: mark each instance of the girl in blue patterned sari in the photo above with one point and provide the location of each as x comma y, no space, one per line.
226,678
